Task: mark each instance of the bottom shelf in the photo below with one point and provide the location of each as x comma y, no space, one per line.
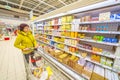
63,68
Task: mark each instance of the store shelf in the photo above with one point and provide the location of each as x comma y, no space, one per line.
58,24
106,43
88,40
98,53
96,22
62,67
85,31
101,32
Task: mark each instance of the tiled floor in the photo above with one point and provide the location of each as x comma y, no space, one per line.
11,62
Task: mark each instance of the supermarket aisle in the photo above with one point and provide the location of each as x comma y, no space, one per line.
11,62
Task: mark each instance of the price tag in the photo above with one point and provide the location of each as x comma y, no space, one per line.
65,31
77,39
93,52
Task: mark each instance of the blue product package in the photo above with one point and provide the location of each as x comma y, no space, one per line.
114,40
117,16
112,16
108,39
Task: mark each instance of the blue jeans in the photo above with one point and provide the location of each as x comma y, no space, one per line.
27,58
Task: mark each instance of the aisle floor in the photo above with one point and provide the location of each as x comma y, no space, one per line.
11,62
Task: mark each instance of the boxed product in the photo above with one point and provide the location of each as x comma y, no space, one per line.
115,16
104,16
115,76
87,18
74,21
103,60
73,27
95,58
108,74
72,60
79,65
87,71
98,73
109,62
62,56
66,60
57,53
52,51
59,21
68,27
63,27
46,48
64,19
117,64
72,34
69,19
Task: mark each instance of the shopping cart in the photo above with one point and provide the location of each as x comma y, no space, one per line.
29,66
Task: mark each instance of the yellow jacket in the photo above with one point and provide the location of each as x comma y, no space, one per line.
25,40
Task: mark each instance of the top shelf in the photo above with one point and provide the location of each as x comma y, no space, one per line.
95,22
89,22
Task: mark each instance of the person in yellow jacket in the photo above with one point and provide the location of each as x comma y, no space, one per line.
26,41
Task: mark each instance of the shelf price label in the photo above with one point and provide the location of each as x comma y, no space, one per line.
93,52
77,39
65,30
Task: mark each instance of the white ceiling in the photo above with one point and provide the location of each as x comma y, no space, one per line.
39,7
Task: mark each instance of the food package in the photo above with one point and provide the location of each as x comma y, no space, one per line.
64,19
98,73
69,19
104,16
109,62
103,60
87,71
62,56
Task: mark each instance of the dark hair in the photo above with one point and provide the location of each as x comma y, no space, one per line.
22,26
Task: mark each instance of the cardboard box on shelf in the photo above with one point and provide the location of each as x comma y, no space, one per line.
95,76
62,56
108,74
98,73
79,65
73,59
78,68
51,51
57,53
87,71
65,60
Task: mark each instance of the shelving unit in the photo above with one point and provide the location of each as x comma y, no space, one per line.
100,39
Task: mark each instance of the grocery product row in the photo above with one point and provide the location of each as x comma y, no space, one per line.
103,17
96,38
85,68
